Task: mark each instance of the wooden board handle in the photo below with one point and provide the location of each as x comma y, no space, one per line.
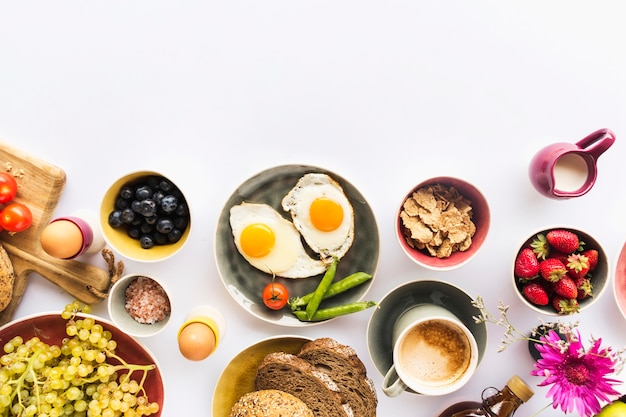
73,276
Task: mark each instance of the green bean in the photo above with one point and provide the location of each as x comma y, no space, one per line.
335,288
332,312
321,289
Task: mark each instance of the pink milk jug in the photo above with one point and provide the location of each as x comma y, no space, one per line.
565,170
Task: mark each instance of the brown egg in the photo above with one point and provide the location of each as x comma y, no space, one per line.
61,239
196,341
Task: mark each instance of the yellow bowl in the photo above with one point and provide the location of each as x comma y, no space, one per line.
119,240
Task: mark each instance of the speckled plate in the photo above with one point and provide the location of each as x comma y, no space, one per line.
237,378
406,296
245,283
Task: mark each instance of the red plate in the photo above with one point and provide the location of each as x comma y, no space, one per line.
50,328
620,280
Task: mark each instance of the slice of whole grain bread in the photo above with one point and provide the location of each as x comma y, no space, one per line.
287,372
270,403
344,367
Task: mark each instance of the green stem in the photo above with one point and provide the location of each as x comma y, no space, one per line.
19,382
541,410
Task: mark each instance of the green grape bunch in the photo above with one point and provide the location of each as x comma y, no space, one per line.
81,377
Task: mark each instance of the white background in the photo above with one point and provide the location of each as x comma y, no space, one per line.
384,94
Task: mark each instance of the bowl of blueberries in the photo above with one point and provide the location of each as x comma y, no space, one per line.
144,217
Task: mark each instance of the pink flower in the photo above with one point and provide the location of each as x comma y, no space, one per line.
579,378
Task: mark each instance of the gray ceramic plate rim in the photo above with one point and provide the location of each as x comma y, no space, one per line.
410,294
245,283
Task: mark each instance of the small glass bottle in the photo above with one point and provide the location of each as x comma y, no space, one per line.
495,403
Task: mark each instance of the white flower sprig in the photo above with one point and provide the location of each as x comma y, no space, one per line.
511,334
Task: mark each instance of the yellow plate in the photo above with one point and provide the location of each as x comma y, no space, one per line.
238,377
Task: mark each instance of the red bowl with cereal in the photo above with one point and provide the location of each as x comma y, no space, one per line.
139,305
442,223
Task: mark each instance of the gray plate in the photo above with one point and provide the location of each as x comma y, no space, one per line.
405,296
245,283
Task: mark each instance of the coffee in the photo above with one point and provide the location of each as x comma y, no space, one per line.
435,353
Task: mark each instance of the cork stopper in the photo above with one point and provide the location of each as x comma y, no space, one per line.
520,388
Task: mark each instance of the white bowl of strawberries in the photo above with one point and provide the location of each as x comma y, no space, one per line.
560,270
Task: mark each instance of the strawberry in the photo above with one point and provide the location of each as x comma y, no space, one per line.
585,289
540,246
592,255
577,265
565,305
526,264
558,255
536,294
565,287
563,240
552,269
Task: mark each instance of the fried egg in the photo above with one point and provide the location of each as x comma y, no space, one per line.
271,243
322,214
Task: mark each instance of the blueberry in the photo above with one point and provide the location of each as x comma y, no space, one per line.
115,219
182,209
166,185
127,192
153,210
134,232
160,238
181,222
127,216
164,225
174,236
143,192
146,241
147,208
152,181
158,196
146,228
169,203
121,203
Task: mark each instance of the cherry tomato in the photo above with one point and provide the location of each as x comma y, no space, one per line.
275,295
8,187
15,217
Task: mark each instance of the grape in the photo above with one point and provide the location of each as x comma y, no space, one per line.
73,378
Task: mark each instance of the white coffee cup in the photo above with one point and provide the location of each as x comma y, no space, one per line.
434,353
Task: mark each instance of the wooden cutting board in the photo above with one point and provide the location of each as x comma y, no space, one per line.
40,186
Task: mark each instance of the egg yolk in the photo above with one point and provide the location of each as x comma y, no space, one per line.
326,214
257,240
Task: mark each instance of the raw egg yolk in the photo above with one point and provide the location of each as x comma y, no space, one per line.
196,341
326,214
257,240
